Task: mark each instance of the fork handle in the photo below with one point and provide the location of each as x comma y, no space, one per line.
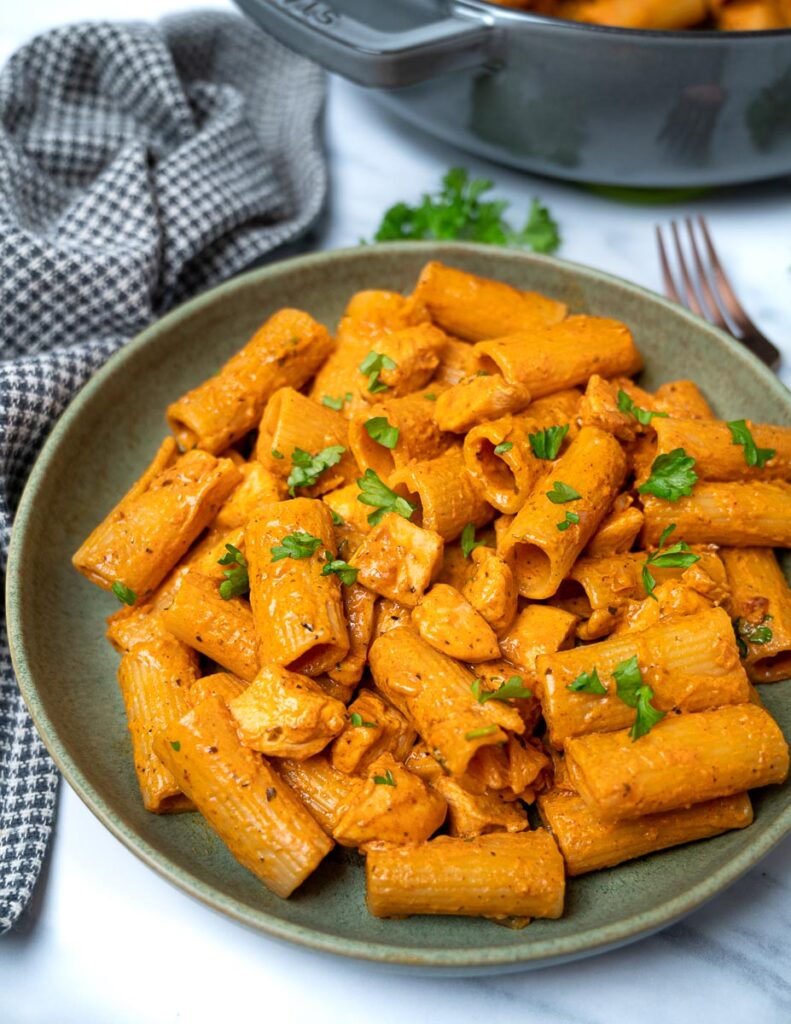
762,347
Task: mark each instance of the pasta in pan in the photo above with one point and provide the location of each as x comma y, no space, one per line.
392,589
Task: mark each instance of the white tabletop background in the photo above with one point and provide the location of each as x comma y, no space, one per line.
111,942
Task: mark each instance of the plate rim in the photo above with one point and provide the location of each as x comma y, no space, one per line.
544,952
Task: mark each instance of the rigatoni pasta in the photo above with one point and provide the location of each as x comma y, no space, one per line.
469,567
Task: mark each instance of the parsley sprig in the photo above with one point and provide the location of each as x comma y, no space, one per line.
296,545
375,492
643,416
379,429
753,455
458,211
385,780
671,476
678,556
306,468
358,721
564,524
237,581
545,444
511,690
372,366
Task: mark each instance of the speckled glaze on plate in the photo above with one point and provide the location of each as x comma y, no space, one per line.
66,669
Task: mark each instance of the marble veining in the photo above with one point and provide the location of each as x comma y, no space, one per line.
109,941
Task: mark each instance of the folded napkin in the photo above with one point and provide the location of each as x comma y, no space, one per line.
139,164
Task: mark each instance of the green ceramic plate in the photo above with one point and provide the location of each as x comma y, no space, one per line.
67,671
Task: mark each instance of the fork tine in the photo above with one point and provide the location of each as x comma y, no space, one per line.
703,281
692,298
670,285
754,338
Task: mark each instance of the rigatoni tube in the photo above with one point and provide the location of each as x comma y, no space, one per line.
761,606
499,875
691,663
683,760
287,350
298,612
249,806
710,443
546,536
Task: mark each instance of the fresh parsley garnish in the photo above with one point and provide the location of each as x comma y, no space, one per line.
468,542
634,692
236,582
561,493
336,566
587,682
385,780
176,744
382,431
751,633
123,593
564,524
336,519
485,730
358,722
336,403
306,468
511,690
545,444
671,476
753,455
430,396
676,557
372,366
376,493
296,545
277,455
501,449
458,211
643,416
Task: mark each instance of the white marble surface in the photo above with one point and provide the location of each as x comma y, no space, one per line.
111,942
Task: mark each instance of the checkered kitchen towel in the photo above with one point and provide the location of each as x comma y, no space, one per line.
139,164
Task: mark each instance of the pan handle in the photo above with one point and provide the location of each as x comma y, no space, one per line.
366,55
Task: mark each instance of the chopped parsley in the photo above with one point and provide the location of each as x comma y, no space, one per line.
753,455
123,593
430,396
372,366
564,524
751,633
545,444
379,429
501,449
676,557
587,682
561,493
306,468
485,730
276,454
357,721
468,542
376,493
633,691
236,582
296,545
336,566
385,780
511,690
671,476
336,403
643,416
176,744
336,519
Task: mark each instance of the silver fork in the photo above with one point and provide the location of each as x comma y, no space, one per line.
707,291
